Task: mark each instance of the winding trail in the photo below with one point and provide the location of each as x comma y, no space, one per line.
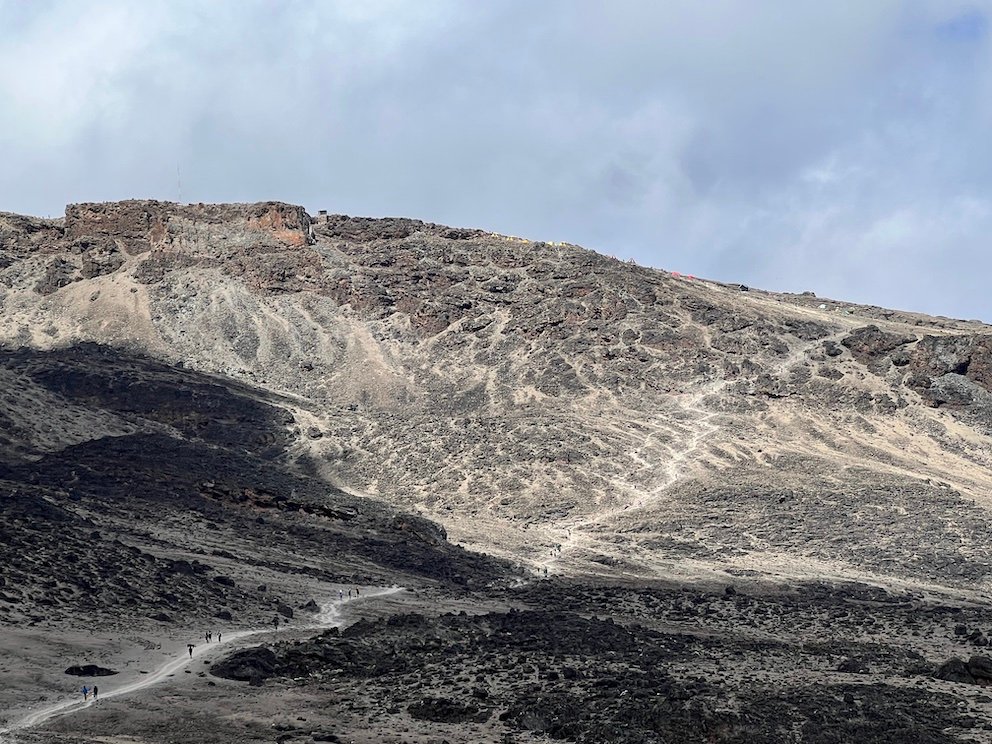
577,535
330,616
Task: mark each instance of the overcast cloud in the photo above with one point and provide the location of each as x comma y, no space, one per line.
841,147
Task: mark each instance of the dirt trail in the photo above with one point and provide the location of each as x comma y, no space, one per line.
580,535
576,534
330,616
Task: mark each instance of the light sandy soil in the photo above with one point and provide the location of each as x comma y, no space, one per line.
580,417
526,395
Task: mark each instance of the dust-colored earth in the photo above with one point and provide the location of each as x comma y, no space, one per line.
201,401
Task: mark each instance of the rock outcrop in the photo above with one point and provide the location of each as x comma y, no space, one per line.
520,393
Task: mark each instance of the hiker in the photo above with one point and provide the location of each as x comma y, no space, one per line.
275,622
95,691
349,594
357,593
86,692
190,647
219,636
340,594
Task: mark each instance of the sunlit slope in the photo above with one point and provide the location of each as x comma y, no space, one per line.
545,402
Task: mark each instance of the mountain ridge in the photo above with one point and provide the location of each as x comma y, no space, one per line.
696,511
536,390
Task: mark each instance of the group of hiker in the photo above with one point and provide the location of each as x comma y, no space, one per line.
208,636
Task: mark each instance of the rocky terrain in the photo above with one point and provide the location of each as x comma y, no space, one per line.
540,390
161,516
143,502
659,665
761,516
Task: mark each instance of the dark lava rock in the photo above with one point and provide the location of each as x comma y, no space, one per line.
871,343
443,710
247,665
853,666
977,671
831,349
90,670
955,670
968,355
981,668
581,677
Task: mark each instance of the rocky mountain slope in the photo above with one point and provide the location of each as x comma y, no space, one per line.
544,402
763,516
132,489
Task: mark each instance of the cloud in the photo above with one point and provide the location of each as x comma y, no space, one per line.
834,147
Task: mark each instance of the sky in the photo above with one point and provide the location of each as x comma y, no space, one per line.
837,147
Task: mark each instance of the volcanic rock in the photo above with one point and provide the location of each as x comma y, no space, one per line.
90,670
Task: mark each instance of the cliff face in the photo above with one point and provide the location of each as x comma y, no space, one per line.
543,401
96,239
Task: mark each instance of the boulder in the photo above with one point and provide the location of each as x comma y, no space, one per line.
853,666
981,668
955,670
247,665
870,344
445,710
89,670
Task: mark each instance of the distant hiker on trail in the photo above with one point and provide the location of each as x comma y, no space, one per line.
349,594
357,593
275,622
95,691
219,637
340,594
190,647
86,692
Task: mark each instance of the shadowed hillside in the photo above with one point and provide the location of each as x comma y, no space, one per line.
130,488
554,395
763,517
532,395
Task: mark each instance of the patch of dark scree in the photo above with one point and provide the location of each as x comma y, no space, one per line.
175,523
587,679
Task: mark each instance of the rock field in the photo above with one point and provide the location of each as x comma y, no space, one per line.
626,505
